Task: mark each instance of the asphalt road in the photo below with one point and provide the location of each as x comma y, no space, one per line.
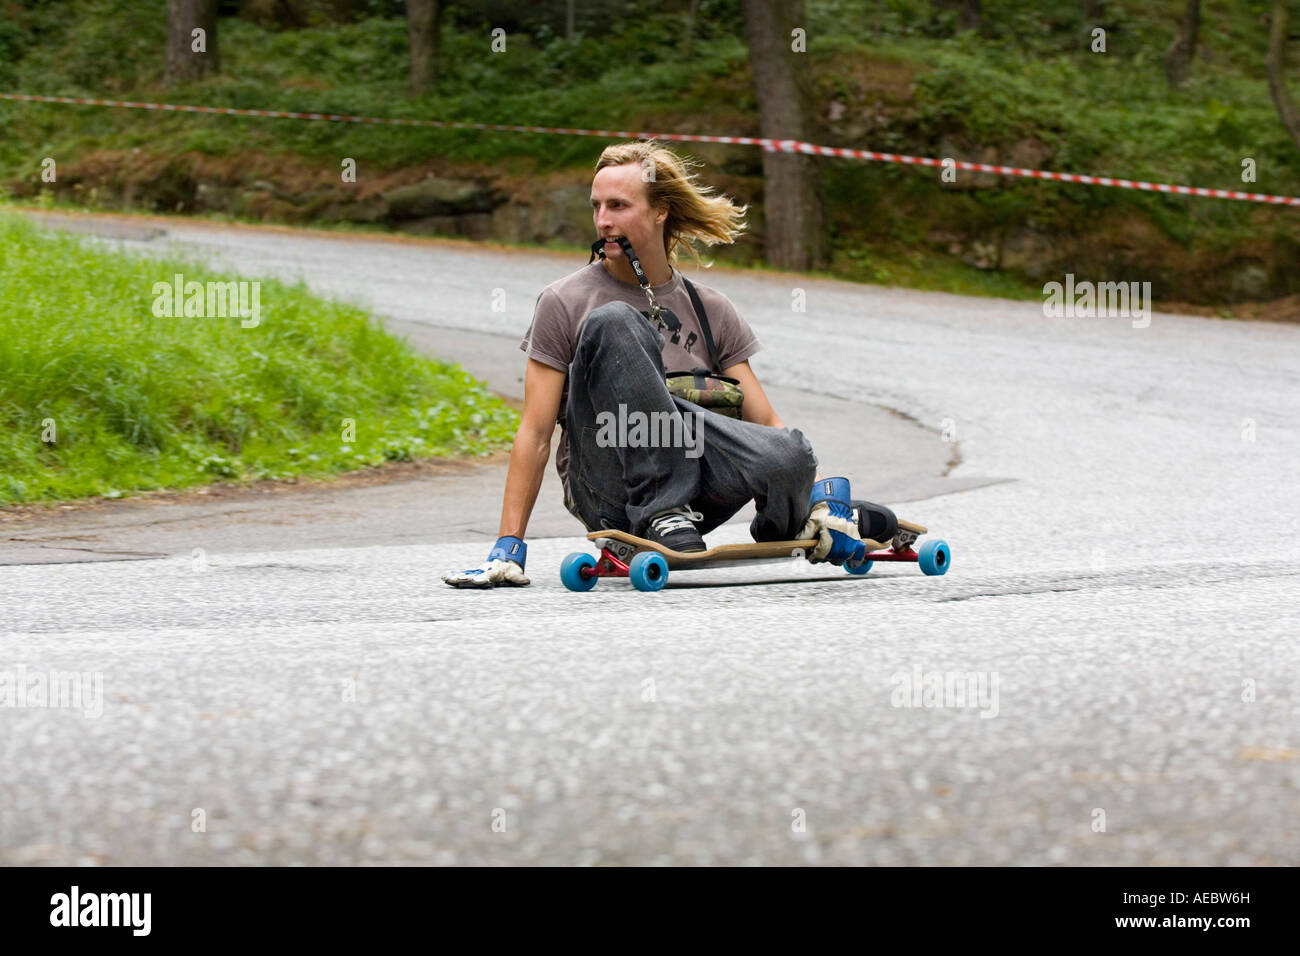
1117,631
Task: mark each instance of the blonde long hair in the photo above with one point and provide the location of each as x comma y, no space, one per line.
694,214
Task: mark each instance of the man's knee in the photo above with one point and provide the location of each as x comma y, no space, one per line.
612,317
796,456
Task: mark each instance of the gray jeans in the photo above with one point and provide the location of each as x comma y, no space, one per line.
620,479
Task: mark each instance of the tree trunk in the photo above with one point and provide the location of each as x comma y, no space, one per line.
690,26
568,20
1277,73
182,62
791,195
1178,60
424,24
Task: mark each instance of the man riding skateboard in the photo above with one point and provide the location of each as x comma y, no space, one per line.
596,352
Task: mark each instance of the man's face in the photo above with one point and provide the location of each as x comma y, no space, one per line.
619,207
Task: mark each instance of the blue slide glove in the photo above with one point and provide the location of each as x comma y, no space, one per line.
831,522
504,566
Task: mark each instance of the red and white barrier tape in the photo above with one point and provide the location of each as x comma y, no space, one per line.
771,145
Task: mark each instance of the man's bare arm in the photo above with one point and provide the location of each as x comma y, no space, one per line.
543,387
757,408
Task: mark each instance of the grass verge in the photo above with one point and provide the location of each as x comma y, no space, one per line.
99,395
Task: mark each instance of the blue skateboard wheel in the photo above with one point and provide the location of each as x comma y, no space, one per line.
934,557
648,571
571,571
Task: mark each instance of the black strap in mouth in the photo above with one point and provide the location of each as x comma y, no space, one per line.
656,310
598,249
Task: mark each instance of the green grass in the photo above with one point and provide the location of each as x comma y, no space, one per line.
930,272
133,401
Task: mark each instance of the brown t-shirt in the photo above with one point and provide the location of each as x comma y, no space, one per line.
552,338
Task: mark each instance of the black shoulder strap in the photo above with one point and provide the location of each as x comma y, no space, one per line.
704,324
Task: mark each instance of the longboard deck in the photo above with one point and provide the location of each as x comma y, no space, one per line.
721,554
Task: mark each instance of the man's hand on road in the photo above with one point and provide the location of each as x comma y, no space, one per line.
504,566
